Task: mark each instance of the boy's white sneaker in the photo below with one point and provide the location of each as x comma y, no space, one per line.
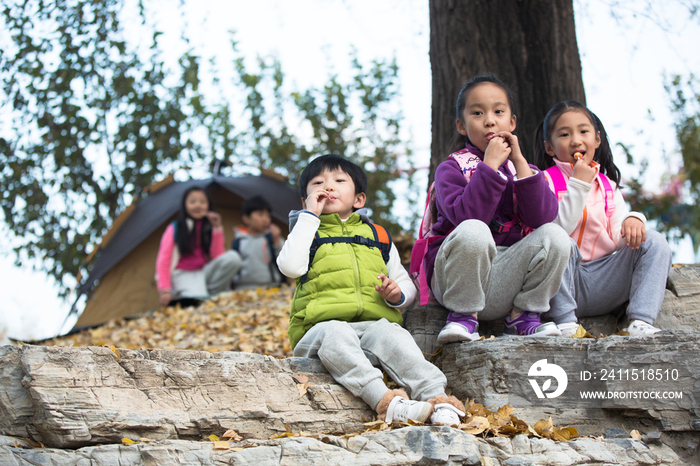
639,328
568,329
446,414
401,410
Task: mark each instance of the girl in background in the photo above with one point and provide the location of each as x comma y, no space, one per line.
192,262
616,259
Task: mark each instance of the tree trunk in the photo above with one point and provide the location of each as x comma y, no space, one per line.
529,44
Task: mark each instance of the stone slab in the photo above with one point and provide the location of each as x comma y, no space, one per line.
73,397
652,378
407,446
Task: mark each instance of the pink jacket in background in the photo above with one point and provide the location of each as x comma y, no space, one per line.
169,255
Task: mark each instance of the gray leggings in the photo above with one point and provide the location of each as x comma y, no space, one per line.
597,287
213,278
472,274
350,351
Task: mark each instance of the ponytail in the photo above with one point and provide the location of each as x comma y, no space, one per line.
542,159
603,155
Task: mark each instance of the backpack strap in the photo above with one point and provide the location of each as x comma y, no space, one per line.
558,181
381,241
236,244
274,269
609,194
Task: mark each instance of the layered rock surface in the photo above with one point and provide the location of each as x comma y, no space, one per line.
81,402
74,397
410,445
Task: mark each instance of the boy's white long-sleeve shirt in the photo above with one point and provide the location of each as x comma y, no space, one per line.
293,260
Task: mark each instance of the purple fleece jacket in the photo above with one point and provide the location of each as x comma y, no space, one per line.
488,196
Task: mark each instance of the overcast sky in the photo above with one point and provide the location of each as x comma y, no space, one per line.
624,60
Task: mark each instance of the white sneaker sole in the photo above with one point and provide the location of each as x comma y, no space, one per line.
549,329
454,332
568,329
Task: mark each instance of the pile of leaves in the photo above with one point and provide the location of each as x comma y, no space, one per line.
253,321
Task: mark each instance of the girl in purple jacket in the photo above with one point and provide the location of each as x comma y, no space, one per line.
487,198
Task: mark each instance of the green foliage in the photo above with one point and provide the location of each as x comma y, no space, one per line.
355,119
92,120
675,211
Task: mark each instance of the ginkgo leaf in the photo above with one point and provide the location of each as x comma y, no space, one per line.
502,415
213,438
127,441
232,434
476,425
635,434
543,428
302,388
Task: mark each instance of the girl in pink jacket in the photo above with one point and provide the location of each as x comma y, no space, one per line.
616,258
191,261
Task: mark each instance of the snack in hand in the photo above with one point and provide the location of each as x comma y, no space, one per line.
578,155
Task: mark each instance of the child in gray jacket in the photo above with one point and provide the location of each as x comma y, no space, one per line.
258,243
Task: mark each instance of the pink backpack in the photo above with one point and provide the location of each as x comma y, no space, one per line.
467,163
559,183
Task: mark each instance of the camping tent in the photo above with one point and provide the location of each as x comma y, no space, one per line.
121,279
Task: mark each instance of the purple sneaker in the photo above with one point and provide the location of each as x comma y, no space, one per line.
528,324
459,327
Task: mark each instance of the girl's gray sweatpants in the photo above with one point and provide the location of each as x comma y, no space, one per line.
350,351
472,274
211,279
598,287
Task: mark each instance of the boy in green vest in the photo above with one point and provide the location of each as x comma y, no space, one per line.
346,310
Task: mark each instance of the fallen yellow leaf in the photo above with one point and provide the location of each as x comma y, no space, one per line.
544,427
232,434
302,388
475,425
635,434
213,438
221,445
502,416
127,441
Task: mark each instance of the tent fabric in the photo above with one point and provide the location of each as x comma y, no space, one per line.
134,238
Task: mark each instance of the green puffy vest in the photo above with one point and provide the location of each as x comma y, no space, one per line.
340,283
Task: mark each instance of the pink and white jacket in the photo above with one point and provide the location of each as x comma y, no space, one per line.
582,215
169,255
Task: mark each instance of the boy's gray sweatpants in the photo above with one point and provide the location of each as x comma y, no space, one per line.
597,287
472,274
350,351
